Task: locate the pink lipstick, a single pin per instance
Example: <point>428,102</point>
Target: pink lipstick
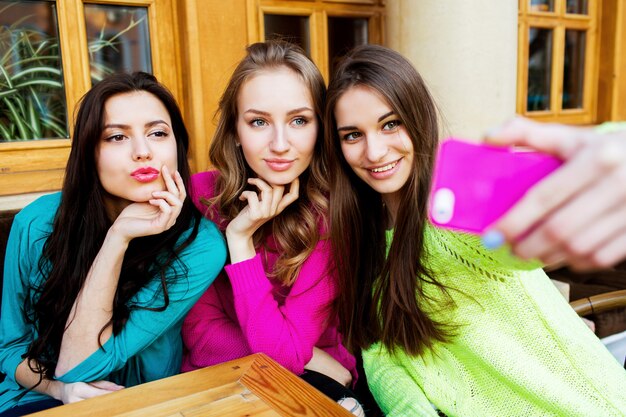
<point>279,165</point>
<point>145,174</point>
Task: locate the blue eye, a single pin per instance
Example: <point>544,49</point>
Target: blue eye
<point>300,121</point>
<point>392,124</point>
<point>258,123</point>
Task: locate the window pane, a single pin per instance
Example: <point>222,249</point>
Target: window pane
<point>32,96</point>
<point>119,39</point>
<point>344,33</point>
<point>577,6</point>
<point>574,69</point>
<point>293,29</point>
<point>541,5</point>
<point>539,69</point>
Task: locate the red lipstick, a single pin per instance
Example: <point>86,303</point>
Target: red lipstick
<point>145,174</point>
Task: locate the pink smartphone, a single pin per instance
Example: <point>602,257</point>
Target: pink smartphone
<point>474,184</point>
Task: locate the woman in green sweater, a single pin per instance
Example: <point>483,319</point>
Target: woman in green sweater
<point>445,325</point>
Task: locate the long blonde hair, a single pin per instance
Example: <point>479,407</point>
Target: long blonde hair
<point>296,230</point>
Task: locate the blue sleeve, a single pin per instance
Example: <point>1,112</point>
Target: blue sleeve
<point>202,260</point>
<point>22,257</point>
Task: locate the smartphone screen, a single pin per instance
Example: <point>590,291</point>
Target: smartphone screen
<point>474,184</point>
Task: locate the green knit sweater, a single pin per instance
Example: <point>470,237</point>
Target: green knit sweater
<point>519,350</point>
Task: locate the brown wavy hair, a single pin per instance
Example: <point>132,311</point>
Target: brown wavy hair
<point>296,230</point>
<point>381,297</point>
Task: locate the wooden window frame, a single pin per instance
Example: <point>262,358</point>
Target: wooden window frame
<point>318,12</point>
<point>559,22</point>
<point>39,165</point>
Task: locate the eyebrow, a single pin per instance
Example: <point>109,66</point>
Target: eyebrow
<point>290,112</point>
<point>123,126</point>
<point>380,119</point>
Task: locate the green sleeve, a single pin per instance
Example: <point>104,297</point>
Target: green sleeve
<point>610,127</point>
<point>396,393</point>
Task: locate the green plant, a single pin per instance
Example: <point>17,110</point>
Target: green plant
<point>32,97</point>
<point>32,102</point>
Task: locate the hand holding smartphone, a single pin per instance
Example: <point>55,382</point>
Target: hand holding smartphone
<point>474,184</point>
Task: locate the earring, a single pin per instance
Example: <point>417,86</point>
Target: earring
<point>237,144</point>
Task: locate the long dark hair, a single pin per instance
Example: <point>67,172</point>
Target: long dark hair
<point>296,229</point>
<point>81,224</point>
<point>381,297</point>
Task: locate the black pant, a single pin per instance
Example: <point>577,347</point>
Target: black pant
<point>328,386</point>
<point>35,406</point>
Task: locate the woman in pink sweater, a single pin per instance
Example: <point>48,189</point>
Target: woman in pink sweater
<point>269,196</point>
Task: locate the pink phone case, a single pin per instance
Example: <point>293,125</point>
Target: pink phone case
<point>474,184</point>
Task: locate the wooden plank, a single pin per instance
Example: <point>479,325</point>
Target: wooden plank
<point>287,393</point>
<point>251,386</point>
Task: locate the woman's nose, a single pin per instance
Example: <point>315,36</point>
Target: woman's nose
<point>280,142</point>
<point>141,149</point>
<point>376,148</point>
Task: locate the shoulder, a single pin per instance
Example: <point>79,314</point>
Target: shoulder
<point>39,215</point>
<point>209,244</point>
<point>202,187</point>
<point>203,184</point>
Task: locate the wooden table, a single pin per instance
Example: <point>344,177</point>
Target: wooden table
<point>254,386</point>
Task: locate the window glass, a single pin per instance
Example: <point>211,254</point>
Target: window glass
<point>541,5</point>
<point>344,33</point>
<point>293,29</point>
<point>119,39</point>
<point>574,69</point>
<point>577,6</point>
<point>539,69</point>
<point>32,95</point>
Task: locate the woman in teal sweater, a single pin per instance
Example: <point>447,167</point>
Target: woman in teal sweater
<point>445,325</point>
<point>99,277</point>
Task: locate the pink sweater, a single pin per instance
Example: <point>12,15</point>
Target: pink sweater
<point>245,311</point>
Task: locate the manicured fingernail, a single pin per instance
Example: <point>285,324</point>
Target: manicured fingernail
<point>493,239</point>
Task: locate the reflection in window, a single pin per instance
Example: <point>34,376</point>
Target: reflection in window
<point>119,39</point>
<point>542,5</point>
<point>577,6</point>
<point>344,33</point>
<point>32,97</point>
<point>539,69</point>
<point>294,29</point>
<point>574,69</point>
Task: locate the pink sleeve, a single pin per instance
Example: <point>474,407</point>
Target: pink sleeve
<point>289,332</point>
<point>209,334</point>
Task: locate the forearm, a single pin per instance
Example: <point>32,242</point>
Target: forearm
<point>325,364</point>
<point>286,332</point>
<point>29,379</point>
<point>93,308</point>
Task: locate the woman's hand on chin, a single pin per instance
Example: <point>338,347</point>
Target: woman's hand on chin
<point>263,205</point>
<point>157,214</point>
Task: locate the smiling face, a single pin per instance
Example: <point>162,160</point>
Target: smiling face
<point>374,142</point>
<point>276,125</point>
<point>137,141</point>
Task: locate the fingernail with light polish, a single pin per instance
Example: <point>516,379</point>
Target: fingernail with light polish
<point>493,239</point>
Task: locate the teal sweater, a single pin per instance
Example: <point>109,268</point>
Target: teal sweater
<point>149,346</point>
<point>519,350</point>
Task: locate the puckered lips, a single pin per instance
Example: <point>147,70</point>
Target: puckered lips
<point>145,174</point>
